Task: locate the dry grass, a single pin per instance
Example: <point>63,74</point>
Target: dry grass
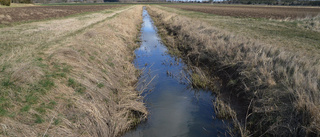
<point>73,80</point>
<point>285,33</point>
<point>282,84</point>
<point>224,111</point>
<point>310,23</point>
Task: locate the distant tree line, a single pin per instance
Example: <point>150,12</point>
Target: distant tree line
<point>57,1</point>
<point>5,2</point>
<point>21,1</point>
<point>274,2</point>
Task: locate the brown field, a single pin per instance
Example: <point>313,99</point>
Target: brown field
<point>274,12</point>
<point>17,14</point>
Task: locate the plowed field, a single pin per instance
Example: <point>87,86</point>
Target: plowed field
<point>274,12</point>
<point>8,15</point>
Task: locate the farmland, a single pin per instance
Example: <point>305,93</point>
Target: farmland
<point>67,69</point>
<point>294,34</point>
<point>9,15</point>
<point>269,12</point>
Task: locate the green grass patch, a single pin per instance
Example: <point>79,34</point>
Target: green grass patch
<point>3,111</point>
<point>100,85</point>
<point>60,70</point>
<point>38,119</point>
<point>41,109</point>
<point>79,88</point>
<point>7,83</point>
<point>57,121</point>
<point>3,105</point>
<point>51,105</point>
<point>109,62</point>
<point>72,83</point>
<point>31,99</point>
<point>26,108</point>
<point>47,83</point>
<point>106,100</point>
<point>4,67</point>
<point>42,87</point>
<point>12,115</point>
<point>92,57</point>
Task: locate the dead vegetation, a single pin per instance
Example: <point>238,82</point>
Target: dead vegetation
<point>73,80</point>
<point>278,88</point>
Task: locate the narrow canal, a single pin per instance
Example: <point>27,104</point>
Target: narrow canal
<point>175,108</point>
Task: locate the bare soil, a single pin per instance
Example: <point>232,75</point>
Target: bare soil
<point>17,14</point>
<point>273,12</point>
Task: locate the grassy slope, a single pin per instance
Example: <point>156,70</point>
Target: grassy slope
<point>279,82</point>
<point>290,34</point>
<point>71,76</point>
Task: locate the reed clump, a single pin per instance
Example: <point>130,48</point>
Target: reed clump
<point>282,85</point>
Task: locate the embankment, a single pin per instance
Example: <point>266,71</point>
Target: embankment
<point>76,83</point>
<point>279,88</point>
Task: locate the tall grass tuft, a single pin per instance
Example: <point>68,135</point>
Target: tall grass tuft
<point>283,85</point>
<point>63,85</point>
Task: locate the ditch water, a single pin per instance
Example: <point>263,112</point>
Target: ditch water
<point>175,108</point>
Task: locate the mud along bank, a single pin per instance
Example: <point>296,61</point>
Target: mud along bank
<point>280,88</point>
<point>76,83</point>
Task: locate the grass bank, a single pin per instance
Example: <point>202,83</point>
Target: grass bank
<point>301,35</point>
<point>278,86</point>
<point>71,77</point>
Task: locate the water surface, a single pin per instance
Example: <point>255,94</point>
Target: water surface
<point>175,108</point>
